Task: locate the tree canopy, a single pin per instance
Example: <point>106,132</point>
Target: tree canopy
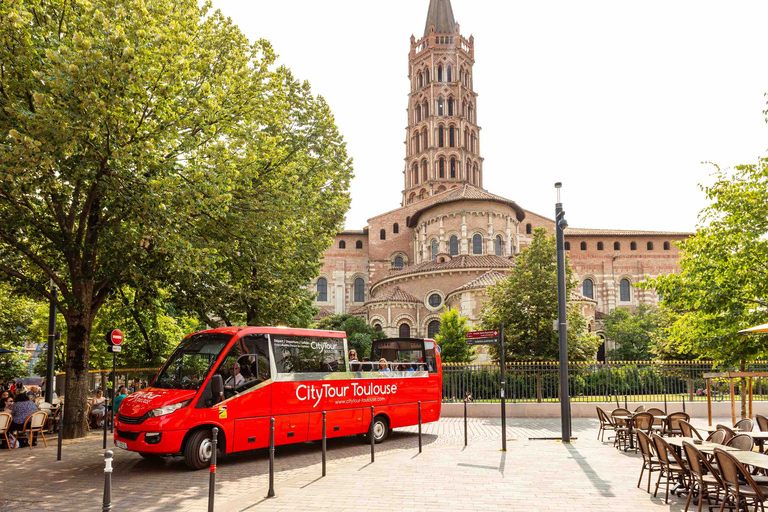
<point>635,332</point>
<point>360,335</point>
<point>452,338</point>
<point>526,301</point>
<point>146,142</point>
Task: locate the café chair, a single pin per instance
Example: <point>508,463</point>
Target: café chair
<point>740,488</point>
<point>745,425</point>
<point>5,425</point>
<point>689,430</point>
<point>34,425</point>
<point>703,476</point>
<point>672,467</point>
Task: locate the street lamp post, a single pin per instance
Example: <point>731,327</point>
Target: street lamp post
<point>50,375</point>
<point>565,406</point>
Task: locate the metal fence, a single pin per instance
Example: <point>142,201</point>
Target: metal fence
<point>635,381</point>
<point>132,378</point>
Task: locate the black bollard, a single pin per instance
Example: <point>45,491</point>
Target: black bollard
<point>373,441</point>
<point>324,447</point>
<point>212,483</point>
<point>61,429</point>
<point>419,427</point>
<point>271,492</point>
<point>465,422</point>
<point>107,505</point>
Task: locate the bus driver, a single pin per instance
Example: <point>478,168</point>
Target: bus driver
<point>236,379</point>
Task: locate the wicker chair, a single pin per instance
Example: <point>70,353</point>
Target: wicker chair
<point>740,487</point>
<point>34,424</point>
<point>650,461</point>
<point>762,422</point>
<point>742,442</point>
<point>672,428</point>
<point>717,437</point>
<point>642,422</point>
<point>640,409</point>
<point>745,425</point>
<point>689,430</point>
<point>658,424</point>
<point>729,434</point>
<point>672,467</point>
<point>5,426</point>
<point>606,423</point>
<point>622,427</point>
<point>703,476</point>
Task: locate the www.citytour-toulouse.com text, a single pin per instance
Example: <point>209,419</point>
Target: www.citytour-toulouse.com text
<point>360,391</point>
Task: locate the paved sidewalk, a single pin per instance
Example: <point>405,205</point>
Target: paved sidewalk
<point>534,475</point>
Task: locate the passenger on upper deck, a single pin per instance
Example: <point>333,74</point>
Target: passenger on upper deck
<point>383,366</point>
<point>354,364</point>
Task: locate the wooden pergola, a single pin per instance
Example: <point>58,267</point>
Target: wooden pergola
<point>731,376</point>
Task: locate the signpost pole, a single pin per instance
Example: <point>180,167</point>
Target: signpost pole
<point>50,377</point>
<point>565,406</point>
<point>503,383</point>
<point>114,371</point>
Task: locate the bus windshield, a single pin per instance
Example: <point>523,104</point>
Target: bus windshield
<point>190,362</point>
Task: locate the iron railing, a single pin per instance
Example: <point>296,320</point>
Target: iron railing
<point>620,381</point>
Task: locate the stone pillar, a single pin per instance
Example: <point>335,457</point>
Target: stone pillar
<point>464,249</point>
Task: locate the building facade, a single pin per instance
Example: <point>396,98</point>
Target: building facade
<point>451,239</point>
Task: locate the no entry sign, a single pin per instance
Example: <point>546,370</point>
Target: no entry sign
<point>115,337</point>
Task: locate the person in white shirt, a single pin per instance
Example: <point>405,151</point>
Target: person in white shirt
<point>236,379</point>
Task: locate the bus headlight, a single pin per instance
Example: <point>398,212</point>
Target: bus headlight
<point>168,409</point>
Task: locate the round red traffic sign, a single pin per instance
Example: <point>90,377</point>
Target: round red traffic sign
<point>115,337</point>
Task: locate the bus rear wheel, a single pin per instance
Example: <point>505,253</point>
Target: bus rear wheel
<point>380,429</point>
<point>198,450</point>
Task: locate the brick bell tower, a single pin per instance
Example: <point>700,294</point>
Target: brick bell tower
<point>443,138</point>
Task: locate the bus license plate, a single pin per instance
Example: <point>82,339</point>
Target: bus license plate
<point>121,444</point>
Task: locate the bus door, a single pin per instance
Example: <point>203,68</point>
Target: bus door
<point>247,375</point>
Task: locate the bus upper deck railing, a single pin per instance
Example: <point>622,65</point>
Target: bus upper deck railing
<point>633,381</point>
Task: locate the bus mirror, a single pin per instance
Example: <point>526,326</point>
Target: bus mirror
<point>217,388</point>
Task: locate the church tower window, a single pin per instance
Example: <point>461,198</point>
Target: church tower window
<point>453,168</point>
<point>477,244</point>
<point>396,228</point>
<point>434,249</point>
<point>450,106</point>
<point>600,246</point>
<point>498,246</point>
<point>439,73</point>
<point>588,289</point>
<point>454,246</point>
<point>359,290</point>
<point>441,136</point>
<point>616,246</point>
<point>450,73</point>
<point>322,290</point>
<point>452,137</point>
<point>440,107</point>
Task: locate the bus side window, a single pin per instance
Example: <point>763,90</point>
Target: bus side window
<point>430,356</point>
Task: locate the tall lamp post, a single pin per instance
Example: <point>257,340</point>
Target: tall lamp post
<point>562,322</point>
<point>50,375</point>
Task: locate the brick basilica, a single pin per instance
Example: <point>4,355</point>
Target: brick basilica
<point>450,238</point>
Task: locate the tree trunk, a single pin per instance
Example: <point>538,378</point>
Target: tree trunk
<point>76,396</point>
<point>743,391</point>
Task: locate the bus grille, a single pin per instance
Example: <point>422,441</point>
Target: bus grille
<point>131,436</point>
<point>131,420</point>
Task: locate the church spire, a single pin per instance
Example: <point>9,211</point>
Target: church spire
<point>441,16</point>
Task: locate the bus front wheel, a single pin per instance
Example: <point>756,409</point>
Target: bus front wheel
<point>198,450</point>
<point>380,429</point>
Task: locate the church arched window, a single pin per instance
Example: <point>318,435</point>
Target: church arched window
<point>342,245</point>
<point>616,246</point>
<point>498,246</point>
<point>404,331</point>
<point>625,291</point>
<point>453,168</point>
<point>427,77</point>
<point>425,139</point>
<point>650,246</point>
<point>424,171</point>
<point>358,245</point>
<point>600,246</point>
<point>454,246</point>
<point>441,136</point>
<point>383,234</point>
<point>588,289</point>
<point>421,79</point>
<point>528,229</point>
<point>450,106</point>
<point>415,174</point>
<point>583,246</point>
<point>416,142</point>
<point>433,248</point>
<point>666,246</point>
<point>633,246</point>
<point>452,137</point>
<point>433,328</point>
<point>395,228</point>
<point>450,73</point>
<point>418,113</point>
<point>322,290</point>
<point>439,73</point>
<point>426,110</point>
<point>440,107</point>
<point>359,290</point>
<point>399,262</point>
<point>477,244</point>
<point>441,168</point>
<point>567,246</point>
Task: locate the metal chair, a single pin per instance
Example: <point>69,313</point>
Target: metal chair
<point>762,422</point>
<point>689,430</point>
<point>672,467</point>
<point>745,425</point>
<point>658,424</point>
<point>641,422</point>
<point>640,409</point>
<point>622,426</point>
<point>739,485</point>
<point>5,426</point>
<point>717,437</point>
<point>703,476</point>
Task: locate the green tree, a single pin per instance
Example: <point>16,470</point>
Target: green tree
<point>633,331</point>
<point>722,286</point>
<point>16,317</point>
<point>526,301</point>
<point>452,338</point>
<point>134,135</point>
<point>14,365</point>
<point>360,335</point>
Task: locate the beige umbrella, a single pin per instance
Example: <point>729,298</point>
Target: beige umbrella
<point>755,330</point>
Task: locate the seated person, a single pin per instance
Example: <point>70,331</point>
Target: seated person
<point>98,408</point>
<point>23,408</point>
<point>383,366</point>
<point>354,364</point>
<point>6,404</point>
<point>367,366</point>
<point>236,379</point>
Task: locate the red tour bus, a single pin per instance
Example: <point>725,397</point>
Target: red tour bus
<point>236,379</point>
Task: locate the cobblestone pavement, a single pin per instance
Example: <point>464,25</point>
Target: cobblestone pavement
<point>533,475</point>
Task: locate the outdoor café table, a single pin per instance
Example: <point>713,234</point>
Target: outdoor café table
<point>705,447</point>
<point>754,459</point>
<point>628,419</point>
